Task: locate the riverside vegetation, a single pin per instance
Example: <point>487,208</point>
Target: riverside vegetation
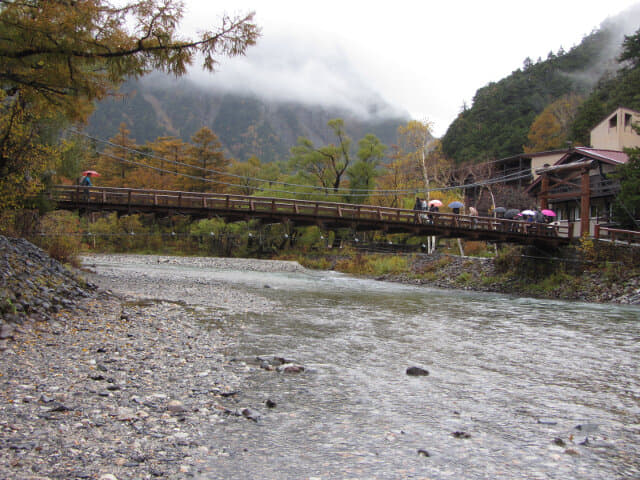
<point>588,271</point>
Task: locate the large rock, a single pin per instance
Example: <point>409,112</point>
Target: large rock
<point>417,371</point>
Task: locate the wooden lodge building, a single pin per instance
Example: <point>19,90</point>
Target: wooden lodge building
<point>576,182</point>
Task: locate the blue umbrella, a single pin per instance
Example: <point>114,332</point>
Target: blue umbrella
<point>456,204</point>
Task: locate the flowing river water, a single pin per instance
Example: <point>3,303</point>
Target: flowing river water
<point>517,387</point>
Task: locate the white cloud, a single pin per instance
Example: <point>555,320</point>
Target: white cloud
<point>426,58</point>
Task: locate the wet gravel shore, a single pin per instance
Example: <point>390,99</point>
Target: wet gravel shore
<point>117,383</point>
<point>110,376</point>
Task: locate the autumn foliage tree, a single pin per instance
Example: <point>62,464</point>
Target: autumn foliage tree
<point>57,57</point>
<point>414,139</point>
<point>550,130</point>
<point>118,159</point>
<point>206,153</point>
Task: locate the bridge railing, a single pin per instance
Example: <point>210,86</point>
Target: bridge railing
<point>617,235</point>
<point>239,204</point>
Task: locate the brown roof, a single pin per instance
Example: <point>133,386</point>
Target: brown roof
<point>612,157</point>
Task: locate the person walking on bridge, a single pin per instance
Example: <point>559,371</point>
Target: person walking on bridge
<point>417,207</point>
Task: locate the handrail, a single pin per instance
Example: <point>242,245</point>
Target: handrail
<point>135,198</point>
<point>616,234</point>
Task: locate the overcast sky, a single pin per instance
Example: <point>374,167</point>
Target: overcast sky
<point>422,57</point>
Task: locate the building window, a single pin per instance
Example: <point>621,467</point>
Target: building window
<point>613,121</point>
<point>627,121</point>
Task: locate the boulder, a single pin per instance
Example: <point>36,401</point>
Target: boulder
<point>417,371</point>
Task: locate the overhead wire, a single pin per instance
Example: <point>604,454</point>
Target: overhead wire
<point>517,175</point>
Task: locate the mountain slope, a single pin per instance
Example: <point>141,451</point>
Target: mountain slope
<point>497,124</point>
<point>246,125</point>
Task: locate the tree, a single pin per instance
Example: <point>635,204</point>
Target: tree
<point>362,174</point>
<point>550,130</point>
<point>611,92</point>
<point>206,153</point>
<point>26,152</point>
<point>246,175</point>
<point>631,51</point>
<point>325,164</point>
<point>414,138</point>
<point>401,174</point>
<point>57,57</point>
<point>115,161</point>
<point>168,153</point>
<point>63,52</point>
<point>626,207</point>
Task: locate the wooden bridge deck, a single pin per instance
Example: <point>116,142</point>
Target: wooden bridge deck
<point>327,215</point>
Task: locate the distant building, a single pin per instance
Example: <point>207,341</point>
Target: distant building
<point>579,188</point>
<point>575,182</point>
<point>616,131</point>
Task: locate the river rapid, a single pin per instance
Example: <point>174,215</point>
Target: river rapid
<point>517,387</point>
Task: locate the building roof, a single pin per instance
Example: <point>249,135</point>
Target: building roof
<point>580,156</point>
<point>624,109</point>
<point>613,157</point>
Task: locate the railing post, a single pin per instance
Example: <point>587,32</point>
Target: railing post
<point>596,231</point>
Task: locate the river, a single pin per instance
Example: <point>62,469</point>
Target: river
<point>517,387</point>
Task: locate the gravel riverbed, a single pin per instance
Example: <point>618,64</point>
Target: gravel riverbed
<point>122,376</point>
<point>118,382</point>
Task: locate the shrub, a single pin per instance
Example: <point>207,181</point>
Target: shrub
<point>385,264</point>
<point>464,278</point>
<point>508,259</point>
<point>60,236</point>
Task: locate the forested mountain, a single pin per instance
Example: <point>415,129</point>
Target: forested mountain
<point>499,120</point>
<point>246,126</point>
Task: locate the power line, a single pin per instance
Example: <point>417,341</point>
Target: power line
<point>518,175</point>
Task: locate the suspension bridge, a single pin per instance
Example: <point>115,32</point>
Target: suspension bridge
<point>326,215</point>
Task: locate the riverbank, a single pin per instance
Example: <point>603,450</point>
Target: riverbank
<point>607,277</point>
<point>605,285</point>
<point>106,381</point>
<point>134,376</point>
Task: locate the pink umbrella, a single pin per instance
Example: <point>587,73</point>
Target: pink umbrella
<point>437,203</point>
<point>548,213</point>
<point>90,173</point>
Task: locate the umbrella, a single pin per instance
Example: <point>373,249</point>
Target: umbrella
<point>548,213</point>
<point>90,173</point>
<point>499,210</point>
<point>528,212</point>
<point>437,203</point>
<point>511,213</point>
<point>456,204</point>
